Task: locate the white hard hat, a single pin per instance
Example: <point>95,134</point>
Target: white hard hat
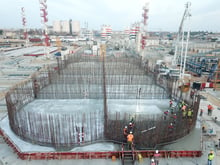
<point>126,127</point>
<point>156,151</point>
<point>130,132</point>
<point>152,160</point>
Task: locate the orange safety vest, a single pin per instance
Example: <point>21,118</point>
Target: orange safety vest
<point>130,138</point>
<point>210,107</point>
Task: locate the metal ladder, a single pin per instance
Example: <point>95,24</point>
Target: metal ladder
<point>128,156</point>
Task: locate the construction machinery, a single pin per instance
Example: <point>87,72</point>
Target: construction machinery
<point>182,42</point>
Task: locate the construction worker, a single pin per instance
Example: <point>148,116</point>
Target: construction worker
<point>36,88</point>
<point>181,104</point>
<point>130,139</point>
<point>192,94</point>
<point>189,113</point>
<point>171,103</point>
<point>152,162</point>
<point>183,107</point>
<point>139,93</point>
<point>204,129</point>
<point>164,116</point>
<point>125,132</point>
<point>210,157</point>
<point>215,119</point>
<point>201,112</point>
<point>166,112</point>
<point>131,127</point>
<point>174,116</point>
<point>171,127</point>
<point>172,109</point>
<point>156,157</point>
<point>210,108</point>
<point>184,114</point>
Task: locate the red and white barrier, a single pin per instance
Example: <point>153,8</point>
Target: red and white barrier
<point>207,85</point>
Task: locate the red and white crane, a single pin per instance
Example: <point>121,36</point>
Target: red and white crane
<point>43,14</point>
<point>24,21</point>
<point>144,26</point>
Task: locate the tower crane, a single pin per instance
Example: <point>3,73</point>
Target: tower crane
<point>24,21</point>
<point>181,58</point>
<point>144,28</point>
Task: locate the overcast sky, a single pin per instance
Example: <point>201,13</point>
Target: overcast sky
<point>164,15</point>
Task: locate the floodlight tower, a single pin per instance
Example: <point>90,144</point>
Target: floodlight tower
<point>43,14</point>
<point>24,21</point>
<point>144,27</point>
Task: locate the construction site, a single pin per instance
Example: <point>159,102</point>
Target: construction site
<point>84,100</point>
<point>80,104</point>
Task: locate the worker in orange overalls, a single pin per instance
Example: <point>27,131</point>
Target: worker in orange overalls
<point>130,139</point>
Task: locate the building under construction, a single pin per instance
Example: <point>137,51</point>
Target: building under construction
<point>86,99</point>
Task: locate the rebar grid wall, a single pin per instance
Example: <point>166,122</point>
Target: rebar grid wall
<point>147,138</point>
<point>125,79</point>
<point>81,77</point>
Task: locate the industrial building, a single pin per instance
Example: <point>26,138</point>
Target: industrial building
<point>66,27</point>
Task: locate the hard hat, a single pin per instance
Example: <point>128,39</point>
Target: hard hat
<point>130,132</point>
<point>126,127</point>
<point>156,151</point>
<point>152,160</point>
<point>130,123</point>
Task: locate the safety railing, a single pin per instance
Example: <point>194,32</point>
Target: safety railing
<point>93,155</point>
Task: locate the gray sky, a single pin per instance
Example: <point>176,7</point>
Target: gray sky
<point>164,15</point>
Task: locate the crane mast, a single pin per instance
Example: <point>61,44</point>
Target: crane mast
<point>144,27</point>
<point>44,14</point>
<point>180,56</point>
<point>24,21</point>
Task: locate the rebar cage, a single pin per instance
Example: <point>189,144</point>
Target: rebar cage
<point>82,78</point>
